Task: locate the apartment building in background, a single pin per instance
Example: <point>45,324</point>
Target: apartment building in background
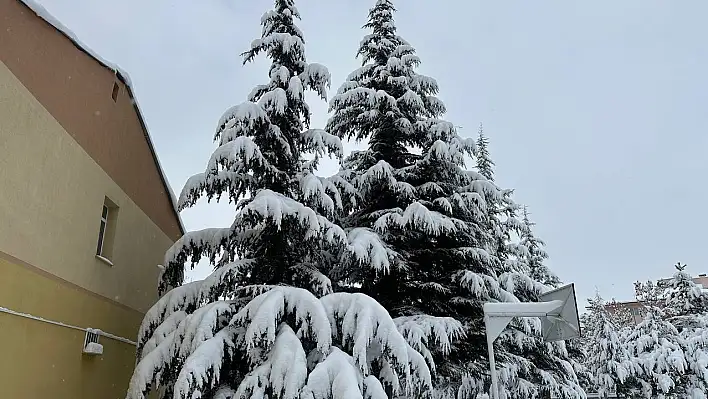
<point>637,309</point>
<point>86,214</point>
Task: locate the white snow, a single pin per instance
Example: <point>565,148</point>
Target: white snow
<point>334,378</point>
<point>321,142</point>
<point>210,240</point>
<point>296,88</point>
<point>423,332</point>
<point>317,77</point>
<point>225,392</point>
<point>316,191</point>
<point>284,370</point>
<point>368,248</point>
<point>168,325</point>
<point>417,216</point>
<point>247,116</point>
<point>413,100</point>
<point>262,316</point>
<point>239,155</point>
<point>365,323</point>
<point>276,207</point>
<point>203,365</point>
<point>173,301</point>
<point>275,101</point>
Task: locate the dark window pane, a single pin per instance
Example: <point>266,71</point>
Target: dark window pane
<point>114,92</point>
<point>101,232</point>
<point>105,212</point>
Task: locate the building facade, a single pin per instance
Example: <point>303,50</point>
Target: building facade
<point>86,214</point>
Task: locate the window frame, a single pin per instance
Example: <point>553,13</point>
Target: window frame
<point>102,230</point>
<point>105,244</point>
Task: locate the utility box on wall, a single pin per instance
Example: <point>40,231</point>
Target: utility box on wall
<point>91,345</point>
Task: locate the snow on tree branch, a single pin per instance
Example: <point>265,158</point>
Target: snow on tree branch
<point>316,77</point>
<point>363,325</point>
<point>276,207</point>
<point>320,142</point>
<point>367,248</point>
<point>479,285</point>
<point>337,377</point>
<point>263,314</point>
<point>283,372</point>
<point>417,216</point>
<point>423,332</point>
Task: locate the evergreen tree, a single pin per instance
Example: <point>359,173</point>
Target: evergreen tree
<point>686,308</point>
<point>607,357</point>
<point>621,315</point>
<point>670,347</point>
<point>577,351</point>
<point>422,205</point>
<point>435,218</point>
<point>685,302</point>
<point>265,323</point>
<point>485,165</point>
<point>536,255</point>
<point>502,222</point>
<point>388,103</point>
<point>658,357</point>
<point>648,293</point>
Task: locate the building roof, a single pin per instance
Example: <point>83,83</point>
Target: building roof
<point>123,76</point>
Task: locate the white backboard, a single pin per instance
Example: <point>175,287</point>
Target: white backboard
<point>566,325</point>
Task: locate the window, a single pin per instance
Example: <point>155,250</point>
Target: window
<point>114,93</point>
<point>102,231</point>
<point>107,230</point>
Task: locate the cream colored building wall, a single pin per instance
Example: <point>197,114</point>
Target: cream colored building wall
<point>41,360</point>
<point>51,197</point>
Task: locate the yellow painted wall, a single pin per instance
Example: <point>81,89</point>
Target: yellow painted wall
<point>51,196</point>
<point>40,360</point>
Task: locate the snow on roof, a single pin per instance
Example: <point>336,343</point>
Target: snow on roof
<point>124,77</point>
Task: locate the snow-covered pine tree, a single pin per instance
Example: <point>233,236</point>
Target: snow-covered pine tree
<point>265,323</point>
<point>606,356</point>
<point>648,293</point>
<point>536,255</point>
<point>388,103</point>
<point>400,194</point>
<point>685,305</point>
<point>658,356</point>
<point>685,302</point>
<point>433,214</point>
<point>485,165</point>
<point>578,354</point>
<point>621,315</point>
<point>502,222</point>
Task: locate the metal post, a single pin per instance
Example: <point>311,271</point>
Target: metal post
<point>492,365</point>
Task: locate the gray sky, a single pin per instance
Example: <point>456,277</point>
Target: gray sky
<point>593,108</point>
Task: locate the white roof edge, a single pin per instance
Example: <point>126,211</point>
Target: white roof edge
<point>123,76</point>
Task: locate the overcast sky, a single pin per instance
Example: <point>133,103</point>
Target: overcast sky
<point>596,110</point>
